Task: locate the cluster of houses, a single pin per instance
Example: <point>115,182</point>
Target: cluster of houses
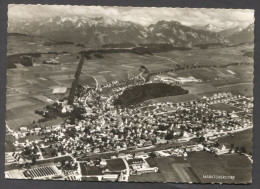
<point>176,80</point>
<point>123,129</point>
<point>117,85</point>
<point>100,128</point>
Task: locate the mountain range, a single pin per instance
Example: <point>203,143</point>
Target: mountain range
<point>230,31</point>
<point>104,30</point>
<point>245,35</point>
<point>207,27</point>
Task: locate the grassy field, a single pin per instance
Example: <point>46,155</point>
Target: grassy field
<point>115,164</point>
<point>240,139</point>
<point>205,163</point>
<point>23,44</point>
<point>171,169</point>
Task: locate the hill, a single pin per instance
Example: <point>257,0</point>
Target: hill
<point>137,94</point>
<point>176,33</point>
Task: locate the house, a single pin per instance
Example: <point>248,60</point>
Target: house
<point>23,129</point>
<point>148,143</point>
<point>110,177</point>
<point>59,90</point>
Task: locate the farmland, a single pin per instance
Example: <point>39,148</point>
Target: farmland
<point>240,139</point>
<point>28,88</point>
<point>204,163</point>
<point>171,169</point>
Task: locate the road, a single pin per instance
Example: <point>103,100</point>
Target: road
<point>169,59</point>
<point>126,176</point>
<point>97,84</point>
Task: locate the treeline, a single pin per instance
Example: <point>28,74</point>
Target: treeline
<point>207,45</point>
<point>80,45</point>
<point>142,49</point>
<point>55,52</point>
<point>18,34</point>
<point>119,45</point>
<point>244,43</point>
<point>17,58</point>
<point>162,47</point>
<point>249,54</point>
<point>140,93</point>
<point>53,43</point>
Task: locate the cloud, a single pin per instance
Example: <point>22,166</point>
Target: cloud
<point>221,18</point>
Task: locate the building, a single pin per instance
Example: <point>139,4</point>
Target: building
<point>52,61</point>
<point>42,173</point>
<point>59,90</point>
<point>110,177</point>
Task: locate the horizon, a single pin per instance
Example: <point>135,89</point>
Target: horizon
<point>221,19</point>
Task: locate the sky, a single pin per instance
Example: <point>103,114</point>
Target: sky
<point>220,18</point>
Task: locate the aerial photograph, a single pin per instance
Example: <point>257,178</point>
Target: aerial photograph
<point>129,94</point>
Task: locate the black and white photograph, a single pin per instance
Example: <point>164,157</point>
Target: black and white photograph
<point>129,94</point>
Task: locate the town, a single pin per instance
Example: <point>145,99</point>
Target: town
<point>126,137</point>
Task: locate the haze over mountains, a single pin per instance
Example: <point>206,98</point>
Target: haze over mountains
<point>207,27</point>
<point>230,31</point>
<point>103,30</point>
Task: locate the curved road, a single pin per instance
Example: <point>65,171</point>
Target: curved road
<point>93,78</point>
<point>127,170</point>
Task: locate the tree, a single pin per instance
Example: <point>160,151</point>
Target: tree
<point>217,144</point>
<point>152,155</point>
<point>169,136</point>
<point>201,139</point>
<point>33,159</point>
<point>243,150</point>
<point>54,153</point>
<point>27,151</point>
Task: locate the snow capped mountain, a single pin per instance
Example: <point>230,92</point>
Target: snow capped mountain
<point>245,35</point>
<point>103,30</point>
<point>208,27</point>
<point>230,31</point>
<point>175,32</point>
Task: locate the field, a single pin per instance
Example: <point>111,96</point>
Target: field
<point>28,88</point>
<point>115,164</point>
<point>25,44</point>
<point>171,169</point>
<point>205,163</point>
<point>240,139</point>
